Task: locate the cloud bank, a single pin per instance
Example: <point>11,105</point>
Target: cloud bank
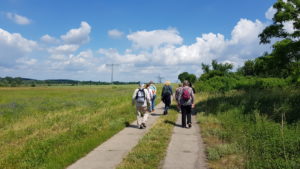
<point>152,52</point>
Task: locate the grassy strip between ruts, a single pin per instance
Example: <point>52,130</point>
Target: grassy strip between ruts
<point>152,148</point>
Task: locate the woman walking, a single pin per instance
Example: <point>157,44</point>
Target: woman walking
<point>166,96</point>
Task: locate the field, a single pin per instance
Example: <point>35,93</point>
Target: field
<point>51,127</point>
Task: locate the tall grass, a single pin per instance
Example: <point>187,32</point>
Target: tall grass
<point>261,128</point>
<point>51,127</point>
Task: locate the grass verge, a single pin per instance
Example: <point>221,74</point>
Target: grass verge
<point>235,139</point>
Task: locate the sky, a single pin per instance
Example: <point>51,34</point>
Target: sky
<point>77,39</point>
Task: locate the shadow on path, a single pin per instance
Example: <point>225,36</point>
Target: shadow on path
<point>173,123</point>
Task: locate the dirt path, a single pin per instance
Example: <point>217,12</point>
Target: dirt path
<point>186,149</point>
<point>109,154</point>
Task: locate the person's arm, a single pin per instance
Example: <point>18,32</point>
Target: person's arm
<point>179,96</point>
<point>147,97</point>
<point>133,96</point>
<point>193,99</point>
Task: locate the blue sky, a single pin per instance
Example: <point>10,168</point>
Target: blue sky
<point>74,39</point>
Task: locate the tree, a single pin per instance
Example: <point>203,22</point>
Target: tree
<point>248,68</point>
<point>183,76</point>
<point>186,76</point>
<point>286,52</point>
<point>286,12</point>
<point>205,68</point>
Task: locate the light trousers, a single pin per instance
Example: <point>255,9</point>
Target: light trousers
<point>141,115</point>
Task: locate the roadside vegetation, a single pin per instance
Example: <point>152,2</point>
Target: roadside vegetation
<point>250,118</point>
<point>51,127</point>
<point>152,148</point>
<point>250,129</point>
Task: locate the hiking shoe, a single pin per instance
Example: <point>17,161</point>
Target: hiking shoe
<point>190,125</point>
<point>144,125</point>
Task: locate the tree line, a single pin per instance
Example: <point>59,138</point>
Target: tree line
<point>18,81</point>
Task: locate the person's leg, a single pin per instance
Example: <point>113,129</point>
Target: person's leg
<point>153,102</point>
<point>168,103</point>
<point>139,116</point>
<point>189,115</point>
<point>183,116</point>
<point>145,115</point>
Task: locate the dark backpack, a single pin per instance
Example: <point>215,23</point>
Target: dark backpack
<point>185,94</point>
<point>167,91</point>
<point>140,96</point>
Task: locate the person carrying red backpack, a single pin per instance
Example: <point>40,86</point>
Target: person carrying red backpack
<point>186,102</point>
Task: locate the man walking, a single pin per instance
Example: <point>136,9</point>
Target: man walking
<point>141,99</point>
<point>186,101</point>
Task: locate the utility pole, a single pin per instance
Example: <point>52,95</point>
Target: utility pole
<point>112,71</point>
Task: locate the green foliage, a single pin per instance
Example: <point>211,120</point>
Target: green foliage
<point>186,76</point>
<point>233,81</point>
<point>248,121</point>
<point>216,83</point>
<point>285,11</point>
<point>284,59</point>
<point>269,102</point>
<point>218,69</point>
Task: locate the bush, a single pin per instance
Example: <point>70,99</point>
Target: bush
<point>233,81</point>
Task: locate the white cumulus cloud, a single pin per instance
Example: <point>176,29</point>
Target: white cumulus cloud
<point>113,54</point>
<point>270,13</point>
<point>155,38</point>
<point>49,39</point>
<point>18,19</point>
<point>167,49</point>
<point>62,51</point>
<point>14,46</point>
<point>114,33</point>
<point>79,35</point>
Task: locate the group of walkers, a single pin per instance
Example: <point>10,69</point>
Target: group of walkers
<point>144,99</point>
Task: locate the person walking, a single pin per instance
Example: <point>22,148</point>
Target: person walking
<point>166,96</point>
<point>141,99</point>
<point>153,88</point>
<point>177,91</point>
<point>150,95</point>
<point>186,101</point>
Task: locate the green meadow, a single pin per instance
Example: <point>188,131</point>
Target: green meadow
<point>51,127</point>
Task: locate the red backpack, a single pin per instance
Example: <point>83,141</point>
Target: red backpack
<point>185,94</point>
